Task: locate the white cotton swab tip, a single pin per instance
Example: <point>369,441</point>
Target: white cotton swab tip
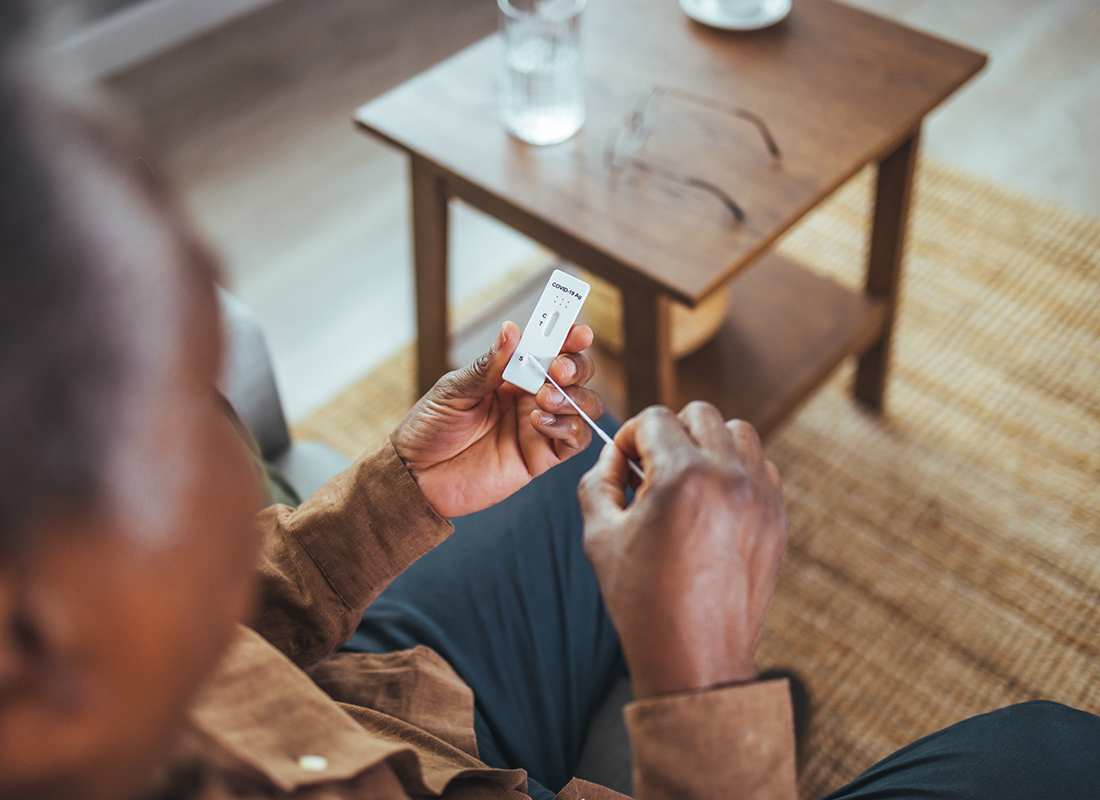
<point>599,431</point>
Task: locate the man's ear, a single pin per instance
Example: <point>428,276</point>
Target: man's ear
<point>13,660</point>
<point>37,690</point>
<point>32,621</point>
<point>20,681</point>
<point>24,632</point>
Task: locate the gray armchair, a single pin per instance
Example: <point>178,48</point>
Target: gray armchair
<point>248,382</point>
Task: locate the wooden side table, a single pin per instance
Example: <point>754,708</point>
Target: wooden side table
<point>837,87</point>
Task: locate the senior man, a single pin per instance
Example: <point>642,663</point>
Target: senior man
<point>131,550</point>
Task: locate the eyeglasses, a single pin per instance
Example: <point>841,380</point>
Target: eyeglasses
<point>623,142</point>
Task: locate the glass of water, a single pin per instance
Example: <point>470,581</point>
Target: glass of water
<point>542,99</point>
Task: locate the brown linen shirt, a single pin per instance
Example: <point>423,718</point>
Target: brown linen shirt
<point>285,717</point>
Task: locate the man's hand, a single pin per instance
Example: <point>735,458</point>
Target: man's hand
<point>473,439</point>
<point>688,569</point>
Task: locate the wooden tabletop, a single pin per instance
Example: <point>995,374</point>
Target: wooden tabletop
<point>838,88</point>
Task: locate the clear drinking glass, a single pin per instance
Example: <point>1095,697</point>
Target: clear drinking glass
<point>542,99</point>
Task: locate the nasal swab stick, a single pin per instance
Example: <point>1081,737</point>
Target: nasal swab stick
<point>599,431</point>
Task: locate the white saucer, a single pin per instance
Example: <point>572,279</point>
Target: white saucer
<point>727,15</point>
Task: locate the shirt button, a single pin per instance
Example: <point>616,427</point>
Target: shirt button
<point>313,763</point>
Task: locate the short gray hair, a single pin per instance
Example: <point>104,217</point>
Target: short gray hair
<point>75,290</point>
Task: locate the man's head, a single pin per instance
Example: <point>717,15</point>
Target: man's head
<point>126,547</point>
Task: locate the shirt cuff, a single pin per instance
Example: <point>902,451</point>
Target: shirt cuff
<point>736,741</point>
<point>367,525</point>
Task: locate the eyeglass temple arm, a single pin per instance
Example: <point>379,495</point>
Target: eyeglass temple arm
<point>675,177</point>
<point>727,201</point>
<point>736,111</point>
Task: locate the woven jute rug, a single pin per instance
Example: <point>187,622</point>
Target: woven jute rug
<point>944,558</point>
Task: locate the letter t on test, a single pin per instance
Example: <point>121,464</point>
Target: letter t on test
<point>545,333</point>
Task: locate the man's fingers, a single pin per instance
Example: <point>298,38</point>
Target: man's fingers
<point>707,426</point>
<point>773,475</point>
<point>580,337</point>
<point>570,432</point>
<point>552,401</point>
<point>485,375</point>
<point>747,442</point>
<point>655,436</point>
<point>572,369</point>
<point>602,490</point>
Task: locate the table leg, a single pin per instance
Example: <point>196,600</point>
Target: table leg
<point>893,193</point>
<point>647,358</point>
<point>430,221</point>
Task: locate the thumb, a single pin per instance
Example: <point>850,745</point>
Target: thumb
<point>602,490</point>
<point>486,375</point>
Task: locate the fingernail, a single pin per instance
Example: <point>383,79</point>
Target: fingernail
<point>568,368</point>
<point>499,343</point>
<point>554,397</point>
<point>547,419</point>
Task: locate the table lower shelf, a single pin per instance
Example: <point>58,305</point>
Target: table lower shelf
<point>787,330</point>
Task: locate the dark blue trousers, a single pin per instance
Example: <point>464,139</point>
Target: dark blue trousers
<point>512,604</point>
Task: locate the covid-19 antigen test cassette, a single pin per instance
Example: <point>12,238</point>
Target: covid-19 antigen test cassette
<point>545,333</point>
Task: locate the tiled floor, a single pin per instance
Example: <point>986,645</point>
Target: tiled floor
<point>312,218</point>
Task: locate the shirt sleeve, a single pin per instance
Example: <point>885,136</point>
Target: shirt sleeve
<point>735,742</point>
<point>322,564</point>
